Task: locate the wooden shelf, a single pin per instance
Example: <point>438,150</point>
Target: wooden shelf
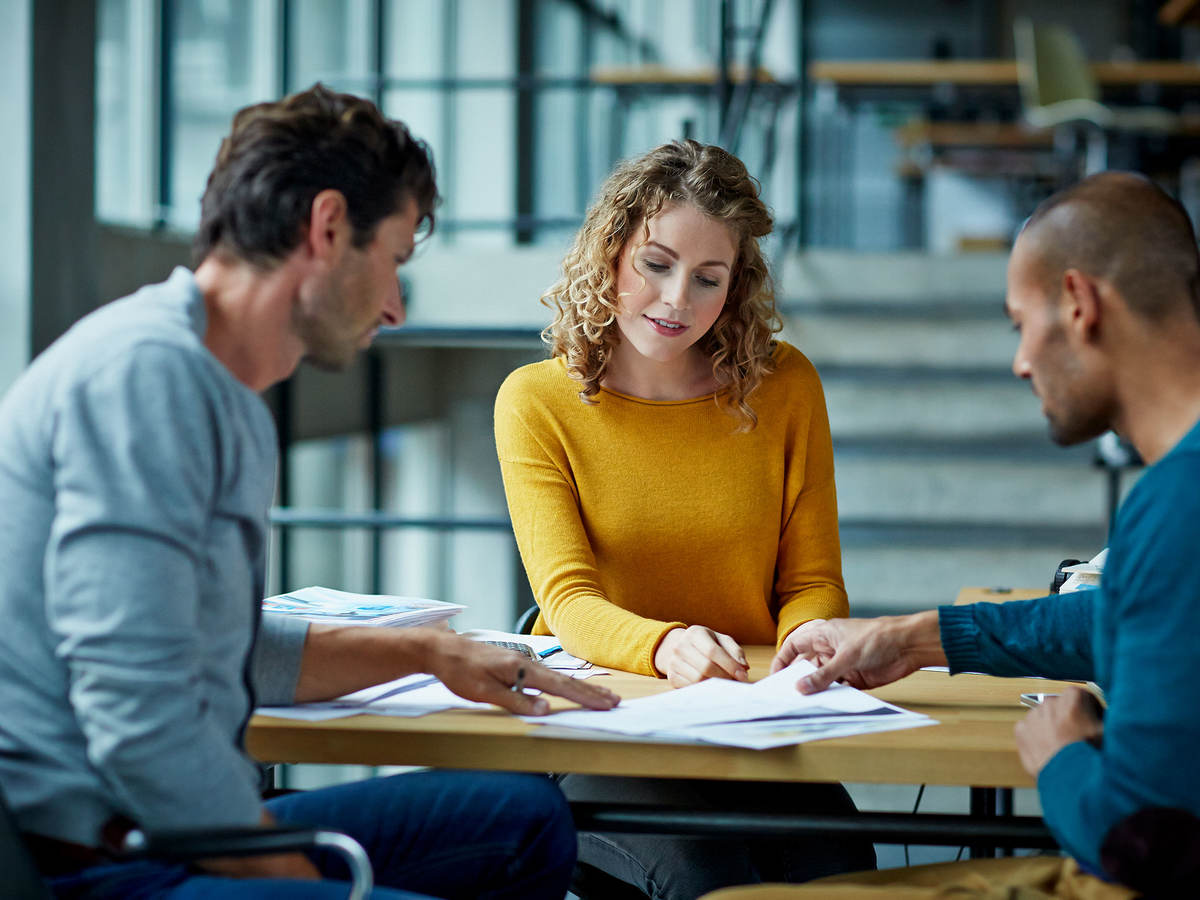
<point>994,72</point>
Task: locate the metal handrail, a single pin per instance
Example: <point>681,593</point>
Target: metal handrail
<point>293,517</point>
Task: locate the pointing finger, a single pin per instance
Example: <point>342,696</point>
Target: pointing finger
<point>590,695</point>
<point>822,678</point>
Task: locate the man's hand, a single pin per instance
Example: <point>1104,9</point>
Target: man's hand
<point>275,865</point>
<point>688,655</point>
<point>1074,715</point>
<point>863,653</point>
<point>485,673</point>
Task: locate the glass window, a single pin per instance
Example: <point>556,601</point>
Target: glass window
<point>332,41</point>
<point>223,56</point>
<point>416,59</point>
<point>416,36</point>
<point>445,67</point>
<point>126,112</point>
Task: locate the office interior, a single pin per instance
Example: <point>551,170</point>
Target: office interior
<point>894,143</point>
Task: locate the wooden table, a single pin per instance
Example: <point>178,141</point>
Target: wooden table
<point>997,594</point>
<point>972,745</point>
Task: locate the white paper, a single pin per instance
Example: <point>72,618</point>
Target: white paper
<point>725,711</point>
<point>763,735</point>
<point>322,604</point>
<point>307,712</point>
<point>1085,575</point>
<point>539,642</point>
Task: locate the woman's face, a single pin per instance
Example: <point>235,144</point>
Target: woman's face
<point>672,287</point>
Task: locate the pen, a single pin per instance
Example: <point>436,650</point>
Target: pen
<point>519,684</point>
<point>549,651</point>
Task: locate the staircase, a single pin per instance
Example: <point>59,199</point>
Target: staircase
<point>946,476</point>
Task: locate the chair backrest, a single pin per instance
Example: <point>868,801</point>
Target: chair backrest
<point>1051,67</point>
<point>1156,851</point>
<point>524,623</point>
<point>20,876</point>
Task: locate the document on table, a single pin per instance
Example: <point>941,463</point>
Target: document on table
<point>410,696</point>
<point>322,604</point>
<point>540,644</point>
<point>421,694</point>
<point>767,713</point>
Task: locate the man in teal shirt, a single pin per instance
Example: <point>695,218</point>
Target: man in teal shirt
<point>1104,289</point>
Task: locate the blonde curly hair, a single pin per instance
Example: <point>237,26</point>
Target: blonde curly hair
<point>585,299</point>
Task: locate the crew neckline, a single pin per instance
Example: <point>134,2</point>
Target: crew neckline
<point>686,402</point>
<point>702,398</point>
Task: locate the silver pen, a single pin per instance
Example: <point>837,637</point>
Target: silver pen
<point>519,684</point>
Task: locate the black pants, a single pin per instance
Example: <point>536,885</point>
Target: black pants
<point>667,867</point>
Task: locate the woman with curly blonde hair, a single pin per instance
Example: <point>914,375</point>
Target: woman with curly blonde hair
<point>669,473</point>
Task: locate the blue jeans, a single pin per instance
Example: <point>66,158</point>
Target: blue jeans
<point>429,834</point>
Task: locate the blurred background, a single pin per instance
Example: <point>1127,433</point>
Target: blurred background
<point>900,147</point>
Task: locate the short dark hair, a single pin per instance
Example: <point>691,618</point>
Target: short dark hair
<point>1123,227</point>
<point>280,155</point>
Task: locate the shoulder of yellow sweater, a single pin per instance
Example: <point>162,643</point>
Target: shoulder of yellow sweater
<point>792,371</point>
<point>536,385</point>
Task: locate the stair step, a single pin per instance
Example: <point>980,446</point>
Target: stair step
<point>883,579</point>
<point>902,341</point>
<point>874,532</point>
<point>1058,493</point>
<point>902,278</point>
<point>904,402</point>
<point>987,307</point>
<point>1015,446</point>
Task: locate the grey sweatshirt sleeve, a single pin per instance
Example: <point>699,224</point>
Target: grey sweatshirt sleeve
<point>136,458</point>
<point>276,662</point>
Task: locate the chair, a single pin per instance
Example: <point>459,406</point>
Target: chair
<point>1155,851</point>
<point>525,620</point>
<point>22,879</point>
<point>21,876</point>
<point>1058,90</point>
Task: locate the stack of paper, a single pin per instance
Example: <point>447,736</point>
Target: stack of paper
<point>767,713</point>
<point>322,604</point>
<point>410,696</point>
<point>546,646</point>
<point>1085,575</point>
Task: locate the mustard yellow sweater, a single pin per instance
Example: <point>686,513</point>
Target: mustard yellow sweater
<point>635,516</point>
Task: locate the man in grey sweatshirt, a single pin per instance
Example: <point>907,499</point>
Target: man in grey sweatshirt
<point>136,471</point>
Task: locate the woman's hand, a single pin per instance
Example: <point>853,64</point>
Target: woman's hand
<point>688,655</point>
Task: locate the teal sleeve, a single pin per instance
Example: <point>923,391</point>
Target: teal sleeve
<point>1050,636</point>
<point>1149,620</point>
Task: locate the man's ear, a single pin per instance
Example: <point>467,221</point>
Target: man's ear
<point>1080,303</point>
<point>328,226</point>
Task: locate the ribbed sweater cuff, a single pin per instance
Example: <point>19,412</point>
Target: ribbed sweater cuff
<point>960,638</point>
<point>826,604</point>
<point>652,648</point>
